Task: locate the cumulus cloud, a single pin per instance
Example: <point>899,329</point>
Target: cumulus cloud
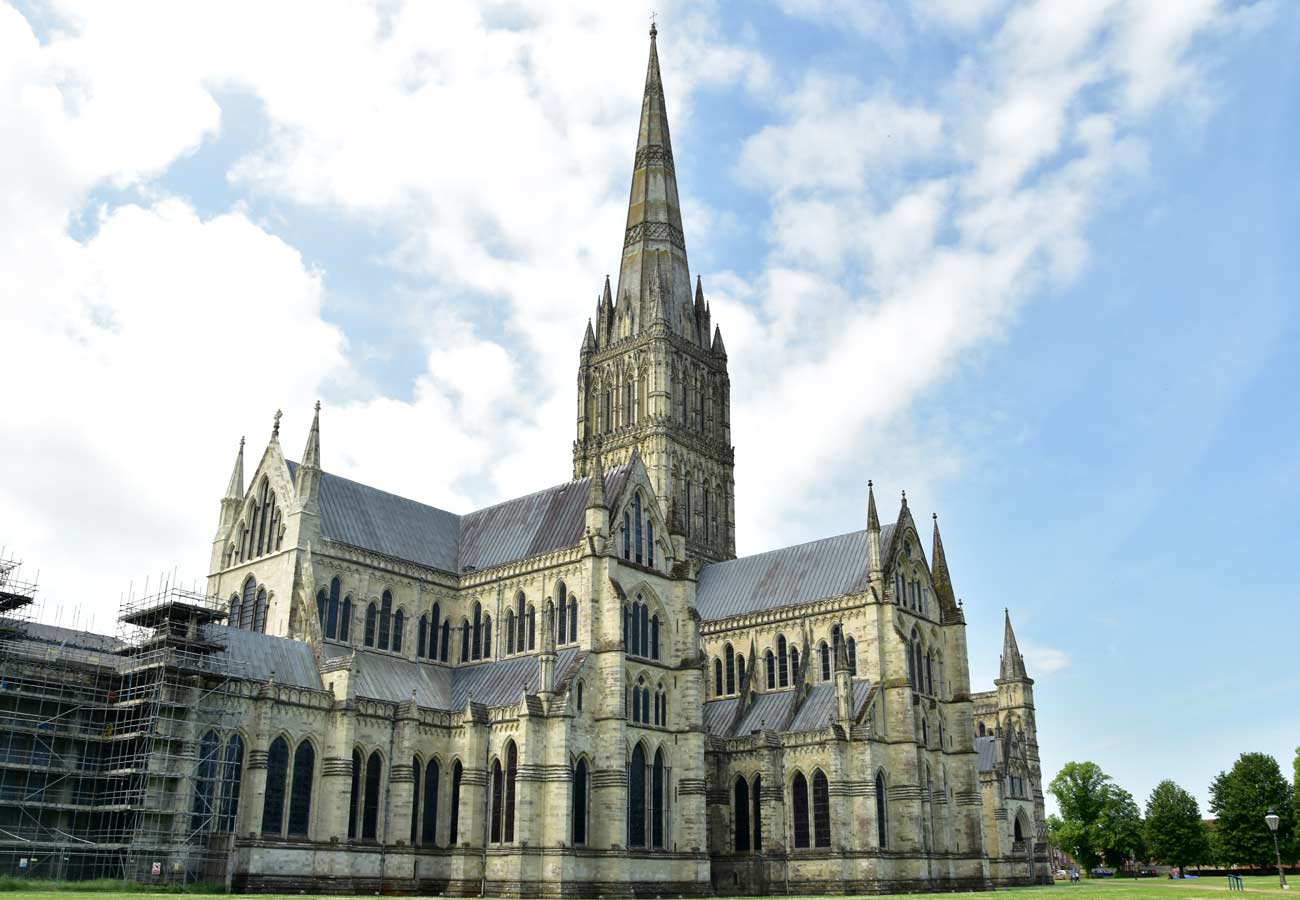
<point>905,235</point>
<point>489,144</point>
<point>1041,660</point>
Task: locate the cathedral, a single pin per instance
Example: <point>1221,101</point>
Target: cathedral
<point>583,691</point>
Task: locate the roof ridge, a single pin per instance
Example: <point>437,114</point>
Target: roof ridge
<point>822,540</point>
<point>545,490</point>
<point>371,487</point>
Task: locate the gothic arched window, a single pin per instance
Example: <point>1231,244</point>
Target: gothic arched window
<point>782,661</point>
<point>654,637</point>
<point>758,813</point>
<point>794,661</point>
<point>532,628</point>
<point>370,806</point>
<point>636,514</point>
<point>821,810</point>
<point>332,611</point>
<point>277,775</point>
<point>259,619</point>
<point>385,619</point>
<point>416,772</point>
<point>446,639</point>
<point>497,788</point>
<point>799,810</point>
<point>825,652</point>
<point>487,637</point>
<point>203,811</point>
<point>429,828</point>
<point>512,771</point>
<point>457,773</point>
<point>717,677</point>
<point>464,640</point>
<point>573,619</point>
<point>345,619</point>
<point>636,791</point>
<point>304,767</point>
<point>510,631</point>
<point>354,798</point>
<point>420,641</point>
<point>658,800</point>
<point>740,671</point>
<point>770,660</point>
<point>627,535</point>
<point>851,650</point>
<point>730,669</point>
<point>399,626</point>
<point>477,647</point>
<point>882,825</point>
<point>579,817</point>
<point>563,624</point>
<point>372,615</point>
<point>740,816</point>
<point>232,779</point>
<point>248,605</point>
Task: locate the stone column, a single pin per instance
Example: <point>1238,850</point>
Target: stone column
<point>401,794</point>
<point>336,774</point>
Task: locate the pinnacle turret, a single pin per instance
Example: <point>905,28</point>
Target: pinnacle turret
<point>719,349</point>
<point>311,453</point>
<point>939,575</point>
<point>235,489</point>
<point>873,519</point>
<point>589,339</point>
<point>1013,664</point>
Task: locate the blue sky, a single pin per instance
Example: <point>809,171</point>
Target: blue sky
<point>1033,262</point>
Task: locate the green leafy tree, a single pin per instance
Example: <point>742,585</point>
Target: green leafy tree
<point>1119,827</point>
<point>1080,789</point>
<point>1240,798</point>
<point>1174,831</point>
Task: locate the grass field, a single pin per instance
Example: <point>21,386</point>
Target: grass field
<point>1100,889</point>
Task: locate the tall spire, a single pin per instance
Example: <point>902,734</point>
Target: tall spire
<point>235,489</point>
<point>654,217</point>
<point>1013,664</point>
<point>873,518</point>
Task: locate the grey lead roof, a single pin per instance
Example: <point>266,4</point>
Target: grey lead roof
<point>383,676</point>
<point>366,517</point>
<point>255,656</point>
<point>987,748</point>
<point>773,710</point>
<point>786,577</point>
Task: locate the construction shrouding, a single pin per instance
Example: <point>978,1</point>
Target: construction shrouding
<point>110,765</point>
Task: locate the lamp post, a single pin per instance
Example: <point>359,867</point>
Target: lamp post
<point>1273,820</point>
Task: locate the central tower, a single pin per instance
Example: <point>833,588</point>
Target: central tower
<point>651,376</point>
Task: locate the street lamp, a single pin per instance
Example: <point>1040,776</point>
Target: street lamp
<point>1273,820</point>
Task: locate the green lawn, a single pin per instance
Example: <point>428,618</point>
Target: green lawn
<point>1100,889</point>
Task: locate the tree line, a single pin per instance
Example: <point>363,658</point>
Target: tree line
<point>1100,822</point>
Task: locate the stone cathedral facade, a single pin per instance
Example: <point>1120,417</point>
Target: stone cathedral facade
<point>582,691</point>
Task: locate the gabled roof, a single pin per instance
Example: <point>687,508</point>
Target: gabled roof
<point>786,577</point>
<point>366,517</point>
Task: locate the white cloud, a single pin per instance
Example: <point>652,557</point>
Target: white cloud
<point>881,281</point>
<point>492,143</point>
<point>1041,660</point>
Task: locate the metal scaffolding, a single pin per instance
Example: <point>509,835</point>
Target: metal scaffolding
<point>111,761</point>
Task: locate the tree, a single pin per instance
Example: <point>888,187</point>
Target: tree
<point>1080,789</point>
<point>1174,831</point>
<point>1240,799</point>
<point>1119,827</point>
